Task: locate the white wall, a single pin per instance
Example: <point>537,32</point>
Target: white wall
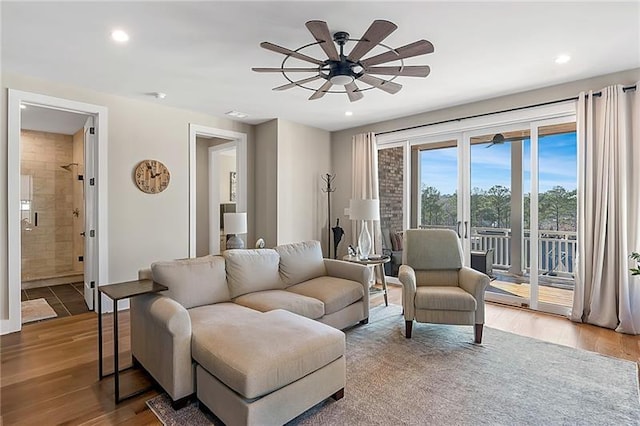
<point>341,141</point>
<point>142,227</point>
<point>304,156</point>
<point>227,165</point>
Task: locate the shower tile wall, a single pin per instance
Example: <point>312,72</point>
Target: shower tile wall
<point>47,249</point>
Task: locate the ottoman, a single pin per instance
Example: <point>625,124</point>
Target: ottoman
<point>267,369</point>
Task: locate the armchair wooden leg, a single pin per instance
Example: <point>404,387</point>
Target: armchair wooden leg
<point>408,325</point>
<point>478,333</point>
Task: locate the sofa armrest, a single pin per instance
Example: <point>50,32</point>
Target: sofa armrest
<point>474,283</point>
<point>161,342</point>
<point>350,271</point>
<point>407,277</point>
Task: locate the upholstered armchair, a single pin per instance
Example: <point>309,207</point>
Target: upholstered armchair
<point>436,287</point>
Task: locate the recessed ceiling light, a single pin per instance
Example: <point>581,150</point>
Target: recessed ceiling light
<point>23,106</point>
<point>120,36</point>
<point>348,113</point>
<point>160,95</point>
<point>562,59</point>
<point>237,114</point>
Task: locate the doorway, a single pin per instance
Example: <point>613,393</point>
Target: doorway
<point>53,201</point>
<point>52,212</point>
<point>217,185</point>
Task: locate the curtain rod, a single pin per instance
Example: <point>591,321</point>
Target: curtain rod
<point>557,101</point>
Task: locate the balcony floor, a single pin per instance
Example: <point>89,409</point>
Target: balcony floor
<point>546,293</point>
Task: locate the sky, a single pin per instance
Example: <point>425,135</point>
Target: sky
<point>492,166</point>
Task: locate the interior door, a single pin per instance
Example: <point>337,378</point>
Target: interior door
<point>90,198</point>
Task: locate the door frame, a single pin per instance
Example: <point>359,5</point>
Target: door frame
<point>240,141</point>
<point>16,98</point>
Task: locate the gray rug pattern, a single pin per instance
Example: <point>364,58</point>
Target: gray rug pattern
<point>440,377</point>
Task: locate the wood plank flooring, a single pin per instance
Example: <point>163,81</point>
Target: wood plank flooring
<point>556,296</point>
<point>49,370</point>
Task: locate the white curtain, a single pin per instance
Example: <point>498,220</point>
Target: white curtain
<point>364,183</point>
<point>606,294</point>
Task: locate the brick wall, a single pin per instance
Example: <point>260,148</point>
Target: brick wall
<point>391,181</point>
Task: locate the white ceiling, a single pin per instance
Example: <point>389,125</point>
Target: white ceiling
<point>201,53</point>
<point>51,120</point>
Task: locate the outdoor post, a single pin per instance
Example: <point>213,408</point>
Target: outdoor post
<point>517,201</point>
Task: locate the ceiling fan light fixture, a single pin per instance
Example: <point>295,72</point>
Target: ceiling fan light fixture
<point>341,79</point>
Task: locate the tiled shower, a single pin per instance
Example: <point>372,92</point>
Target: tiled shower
<point>52,208</point>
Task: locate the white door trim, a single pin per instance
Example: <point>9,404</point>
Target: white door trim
<point>240,141</point>
<point>15,99</point>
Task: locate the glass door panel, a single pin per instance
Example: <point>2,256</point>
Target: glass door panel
<point>557,211</point>
<point>497,212</point>
<point>437,194</point>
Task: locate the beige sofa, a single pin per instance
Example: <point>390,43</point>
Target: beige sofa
<point>212,330</point>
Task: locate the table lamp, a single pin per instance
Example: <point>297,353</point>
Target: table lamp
<point>234,224</point>
<point>364,210</point>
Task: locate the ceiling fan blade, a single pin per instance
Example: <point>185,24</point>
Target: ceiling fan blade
<point>353,92</point>
<point>286,69</point>
<point>296,83</point>
<point>279,49</point>
<point>378,31</point>
<point>387,86</point>
<point>320,32</point>
<point>417,48</point>
<point>409,71</point>
<point>322,90</point>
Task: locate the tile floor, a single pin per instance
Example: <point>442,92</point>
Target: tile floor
<point>66,299</point>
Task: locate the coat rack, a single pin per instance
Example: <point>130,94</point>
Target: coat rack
<point>328,180</point>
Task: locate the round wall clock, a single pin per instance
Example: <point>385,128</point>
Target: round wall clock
<point>151,176</point>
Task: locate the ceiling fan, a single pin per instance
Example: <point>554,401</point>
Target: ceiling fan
<point>340,69</point>
<point>499,139</point>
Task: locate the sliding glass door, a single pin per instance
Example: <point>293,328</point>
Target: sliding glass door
<point>509,192</point>
<point>521,202</point>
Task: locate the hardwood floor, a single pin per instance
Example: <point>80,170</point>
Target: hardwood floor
<point>49,370</point>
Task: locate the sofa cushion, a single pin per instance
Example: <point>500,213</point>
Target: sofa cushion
<point>252,270</point>
<point>444,298</point>
<point>257,355</point>
<point>220,313</point>
<point>269,300</point>
<point>300,262</point>
<point>335,293</point>
<point>193,282</point>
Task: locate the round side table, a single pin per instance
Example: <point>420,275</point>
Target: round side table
<point>377,262</point>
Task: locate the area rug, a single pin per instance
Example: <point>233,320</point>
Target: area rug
<point>440,377</point>
<point>36,310</point>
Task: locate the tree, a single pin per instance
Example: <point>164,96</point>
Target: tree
<point>499,200</point>
<point>558,206</point>
<point>431,211</point>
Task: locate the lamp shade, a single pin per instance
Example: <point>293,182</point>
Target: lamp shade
<point>235,223</point>
<point>364,209</point>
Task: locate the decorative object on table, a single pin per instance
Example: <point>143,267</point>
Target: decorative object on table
<point>260,243</point>
<point>635,256</point>
<point>151,176</point>
<point>328,179</point>
<point>233,184</point>
<point>234,224</point>
<point>338,232</point>
<point>343,70</point>
<point>351,250</point>
<point>364,210</point>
